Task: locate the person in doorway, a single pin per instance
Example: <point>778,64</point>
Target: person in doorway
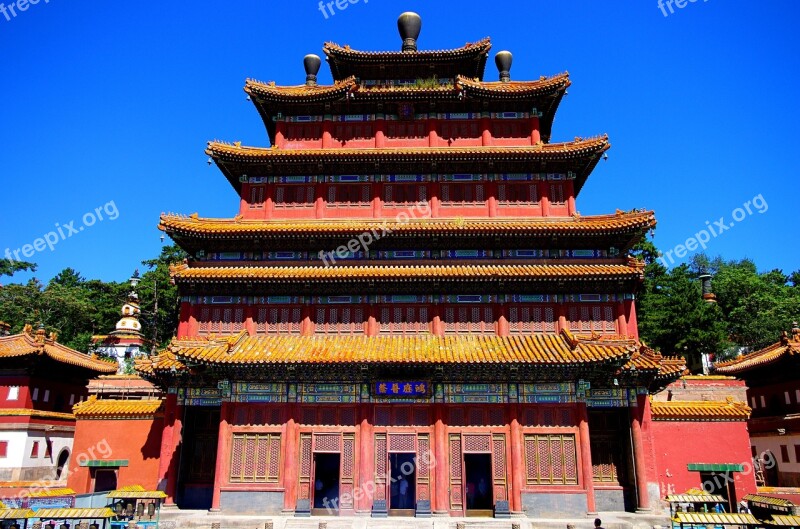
<point>743,507</point>
<point>403,491</point>
<point>598,523</point>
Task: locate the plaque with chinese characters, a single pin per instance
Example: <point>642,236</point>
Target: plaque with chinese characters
<point>402,388</point>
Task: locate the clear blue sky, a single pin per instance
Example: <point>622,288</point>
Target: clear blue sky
<point>114,101</point>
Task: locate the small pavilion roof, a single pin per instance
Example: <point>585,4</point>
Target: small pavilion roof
<point>36,414</point>
<point>136,492</point>
<point>30,344</point>
<point>714,410</point>
<point>469,60</point>
<point>788,346</point>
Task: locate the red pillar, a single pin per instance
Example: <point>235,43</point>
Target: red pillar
<point>291,462</point>
<point>222,453</point>
<point>643,500</point>
<point>170,454</point>
<point>380,132</point>
<point>486,131</point>
<point>622,323</point>
<point>502,320</point>
<point>194,325</point>
<point>633,325</point>
<point>492,199</point>
<point>570,192</point>
<point>366,468</point>
<point>327,137</point>
<point>185,314</point>
<point>586,457</point>
<point>536,136</point>
<point>517,462</point>
<point>544,198</point>
<point>249,320</point>
<point>442,502</point>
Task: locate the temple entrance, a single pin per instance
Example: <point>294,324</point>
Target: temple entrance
<point>403,485</point>
<point>478,484</point>
<point>326,484</point>
<point>198,457</point>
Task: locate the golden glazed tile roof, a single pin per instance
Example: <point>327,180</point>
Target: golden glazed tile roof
<point>544,226</point>
<point>709,518</point>
<point>541,152</point>
<point>74,514</point>
<point>769,500</point>
<point>16,514</point>
<point>35,414</point>
<point>471,49</point>
<point>728,410</point>
<point>787,347</point>
<point>95,408</point>
<point>545,349</point>
<point>785,520</point>
<point>514,89</point>
<point>301,93</point>
<point>286,274</point>
<point>53,493</point>
<point>30,344</point>
<point>136,492</point>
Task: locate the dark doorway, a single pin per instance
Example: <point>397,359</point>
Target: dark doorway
<point>198,457</point>
<point>105,480</point>
<point>63,459</point>
<point>478,484</point>
<point>326,484</point>
<point>403,485</point>
<point>720,483</point>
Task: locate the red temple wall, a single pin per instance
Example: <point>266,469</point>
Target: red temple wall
<point>136,440</point>
<point>678,443</point>
<point>60,395</point>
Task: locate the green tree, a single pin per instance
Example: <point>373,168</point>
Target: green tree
<point>156,283</point>
<point>9,266</point>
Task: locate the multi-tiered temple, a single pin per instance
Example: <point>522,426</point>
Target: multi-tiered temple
<point>408,314</point>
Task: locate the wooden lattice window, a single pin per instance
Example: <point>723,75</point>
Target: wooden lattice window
<point>456,194</point>
<point>348,195</point>
<point>221,320</point>
<point>257,197</point>
<point>406,129</point>
<point>403,319</point>
<point>278,320</point>
<point>551,459</point>
<point>255,458</point>
<point>302,131</point>
<point>557,194</point>
<point>592,318</point>
<point>405,193</point>
<point>453,130</point>
<point>294,195</point>
<point>469,319</point>
<point>518,193</point>
<point>339,320</point>
<point>526,319</point>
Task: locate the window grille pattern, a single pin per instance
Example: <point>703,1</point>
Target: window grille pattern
<point>403,319</point>
<point>551,459</point>
<point>221,320</point>
<point>512,194</point>
<point>592,318</point>
<point>474,319</point>
<point>278,320</point>
<point>255,458</point>
<point>339,320</point>
<point>456,194</point>
<point>528,319</point>
<point>294,195</point>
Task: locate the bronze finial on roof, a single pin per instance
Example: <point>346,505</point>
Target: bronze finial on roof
<point>409,24</point>
<point>312,64</point>
<point>503,61</point>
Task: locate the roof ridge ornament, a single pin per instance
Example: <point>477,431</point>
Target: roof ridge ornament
<point>409,24</point>
<point>311,63</point>
<point>503,60</point>
<point>795,332</point>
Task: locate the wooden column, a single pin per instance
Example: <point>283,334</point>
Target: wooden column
<point>441,504</point>
<point>536,136</point>
<point>643,500</point>
<point>569,191</point>
<point>622,323</point>
<point>291,462</point>
<point>366,467</point>
<point>587,475</point>
<point>380,131</point>
<point>486,130</point>
<point>222,454</point>
<point>517,461</point>
<point>327,137</point>
<point>250,320</point>
<point>185,316</point>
